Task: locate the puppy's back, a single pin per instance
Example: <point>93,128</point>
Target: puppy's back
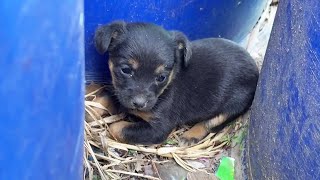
<point>221,57</point>
<point>219,49</point>
<point>221,77</point>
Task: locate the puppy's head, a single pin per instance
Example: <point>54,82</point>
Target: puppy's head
<point>143,60</point>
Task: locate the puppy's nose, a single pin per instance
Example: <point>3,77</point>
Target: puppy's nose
<point>139,102</point>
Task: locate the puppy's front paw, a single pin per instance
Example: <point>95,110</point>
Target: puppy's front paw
<point>194,135</point>
<point>116,130</point>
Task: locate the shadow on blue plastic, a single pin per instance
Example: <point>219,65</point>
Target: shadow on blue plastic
<point>231,19</point>
<point>284,136</point>
<point>41,89</point>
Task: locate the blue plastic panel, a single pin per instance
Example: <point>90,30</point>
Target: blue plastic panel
<point>41,89</point>
<point>231,19</point>
<point>284,137</point>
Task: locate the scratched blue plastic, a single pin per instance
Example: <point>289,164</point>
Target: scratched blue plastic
<point>231,19</point>
<point>41,89</point>
<point>284,137</point>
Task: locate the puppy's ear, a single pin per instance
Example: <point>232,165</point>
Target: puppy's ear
<point>109,36</point>
<point>183,47</point>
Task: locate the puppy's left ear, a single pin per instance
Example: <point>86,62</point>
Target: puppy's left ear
<point>183,47</point>
<point>109,36</point>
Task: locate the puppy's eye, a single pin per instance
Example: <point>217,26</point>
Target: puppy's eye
<point>126,71</point>
<point>160,78</point>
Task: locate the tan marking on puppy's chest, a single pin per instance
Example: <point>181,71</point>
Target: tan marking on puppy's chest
<point>146,116</point>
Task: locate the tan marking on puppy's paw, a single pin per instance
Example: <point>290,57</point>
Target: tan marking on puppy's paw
<point>216,121</point>
<point>144,115</point>
<point>117,128</point>
<point>194,135</point>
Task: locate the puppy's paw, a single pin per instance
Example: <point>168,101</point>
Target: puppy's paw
<point>194,135</point>
<point>116,130</point>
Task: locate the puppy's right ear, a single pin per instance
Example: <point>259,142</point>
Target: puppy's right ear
<point>183,47</point>
<point>109,36</point>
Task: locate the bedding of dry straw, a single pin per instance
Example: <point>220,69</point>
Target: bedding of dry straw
<point>105,158</point>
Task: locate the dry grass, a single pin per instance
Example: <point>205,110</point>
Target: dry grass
<point>107,159</point>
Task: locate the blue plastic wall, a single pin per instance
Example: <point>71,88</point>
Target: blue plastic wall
<point>284,136</point>
<point>231,19</point>
<point>41,89</point>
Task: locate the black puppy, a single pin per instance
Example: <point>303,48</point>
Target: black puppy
<point>166,81</point>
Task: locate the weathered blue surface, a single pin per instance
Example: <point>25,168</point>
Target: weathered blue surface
<point>284,136</point>
<point>41,89</point>
<point>231,19</point>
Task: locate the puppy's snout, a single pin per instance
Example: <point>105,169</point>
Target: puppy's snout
<point>139,102</point>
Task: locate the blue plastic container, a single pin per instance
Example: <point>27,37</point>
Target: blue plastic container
<point>231,19</point>
<point>41,89</point>
<point>284,136</point>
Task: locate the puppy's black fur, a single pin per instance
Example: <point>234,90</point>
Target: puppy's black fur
<point>166,81</point>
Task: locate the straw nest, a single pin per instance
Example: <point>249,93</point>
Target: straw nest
<point>106,158</point>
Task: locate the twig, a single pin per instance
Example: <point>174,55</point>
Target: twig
<point>132,174</point>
